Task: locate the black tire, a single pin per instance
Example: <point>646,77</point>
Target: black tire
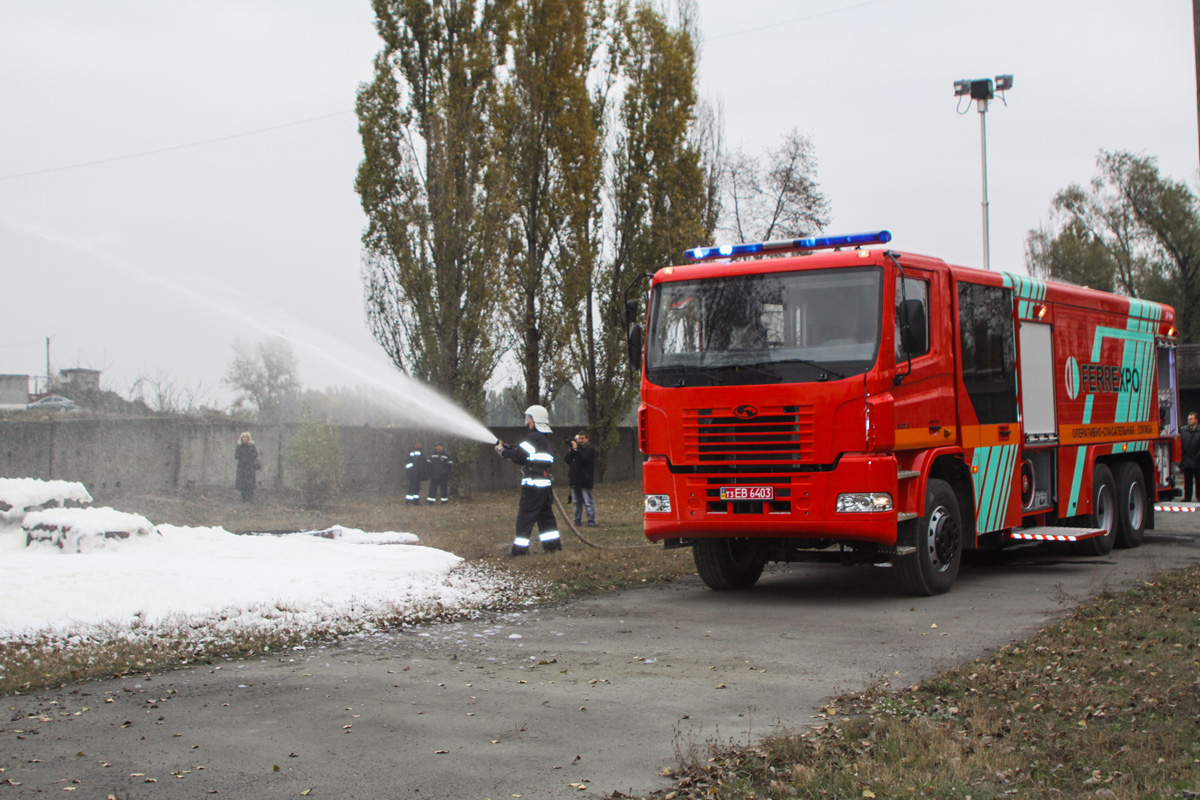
<point>1132,505</point>
<point>728,564</point>
<point>939,541</point>
<point>1104,515</point>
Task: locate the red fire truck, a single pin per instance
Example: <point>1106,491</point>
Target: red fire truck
<point>856,404</point>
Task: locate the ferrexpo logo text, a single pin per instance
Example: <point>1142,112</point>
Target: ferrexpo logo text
<point>1100,379</point>
<point>745,412</point>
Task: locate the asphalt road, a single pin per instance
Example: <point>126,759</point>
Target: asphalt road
<point>600,694</point>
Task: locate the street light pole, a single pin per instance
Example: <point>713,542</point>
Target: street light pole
<point>983,160</point>
<point>982,91</point>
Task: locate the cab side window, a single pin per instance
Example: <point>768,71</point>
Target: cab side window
<point>912,312</point>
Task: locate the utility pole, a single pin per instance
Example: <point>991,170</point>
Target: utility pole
<point>48,357</point>
<point>982,91</point>
<point>1196,49</point>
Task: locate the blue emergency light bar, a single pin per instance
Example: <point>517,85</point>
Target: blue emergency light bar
<point>786,245</point>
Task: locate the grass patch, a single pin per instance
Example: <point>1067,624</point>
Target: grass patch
<point>1103,705</point>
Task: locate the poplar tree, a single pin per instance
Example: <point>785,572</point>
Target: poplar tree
<point>551,136</point>
<point>431,185</point>
<point>658,198</point>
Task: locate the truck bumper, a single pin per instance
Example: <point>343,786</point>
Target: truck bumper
<point>804,504</point>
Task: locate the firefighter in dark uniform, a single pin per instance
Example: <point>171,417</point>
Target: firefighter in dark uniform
<point>440,465</point>
<point>414,470</point>
<point>536,458</point>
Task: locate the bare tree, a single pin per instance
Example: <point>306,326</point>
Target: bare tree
<point>266,377</point>
<point>776,199</point>
<point>162,392</point>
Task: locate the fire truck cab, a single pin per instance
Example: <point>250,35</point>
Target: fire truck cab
<point>851,403</point>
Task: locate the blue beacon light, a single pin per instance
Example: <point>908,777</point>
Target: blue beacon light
<point>786,245</point>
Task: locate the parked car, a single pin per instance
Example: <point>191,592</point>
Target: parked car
<point>53,401</point>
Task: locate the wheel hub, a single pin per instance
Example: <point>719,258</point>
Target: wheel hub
<point>942,538</point>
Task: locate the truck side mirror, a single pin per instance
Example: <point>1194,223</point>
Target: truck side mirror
<point>635,347</point>
<point>631,312</point>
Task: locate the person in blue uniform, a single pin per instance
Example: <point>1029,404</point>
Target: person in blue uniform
<point>440,465</point>
<point>414,470</point>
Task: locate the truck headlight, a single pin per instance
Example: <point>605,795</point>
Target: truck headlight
<point>864,502</point>
<point>658,503</point>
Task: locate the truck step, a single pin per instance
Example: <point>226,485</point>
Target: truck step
<point>904,516</point>
<point>905,474</point>
<point>905,550</point>
<point>1053,534</point>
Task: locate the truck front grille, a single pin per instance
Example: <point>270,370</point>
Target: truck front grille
<point>734,436</point>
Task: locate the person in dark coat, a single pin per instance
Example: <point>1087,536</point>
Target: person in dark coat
<point>582,477</point>
<point>536,505</point>
<point>440,465</point>
<point>248,465</point>
<point>415,470</point>
<point>1190,463</point>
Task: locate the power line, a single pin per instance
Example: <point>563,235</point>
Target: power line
<point>175,147</point>
<point>793,21</point>
<point>281,126</point>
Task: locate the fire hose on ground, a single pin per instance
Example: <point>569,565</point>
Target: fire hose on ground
<point>588,541</point>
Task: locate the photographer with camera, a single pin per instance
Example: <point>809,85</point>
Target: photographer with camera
<point>582,474</point>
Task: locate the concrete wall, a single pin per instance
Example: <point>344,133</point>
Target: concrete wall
<point>164,455</point>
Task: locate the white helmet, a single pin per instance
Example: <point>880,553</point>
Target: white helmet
<point>540,417</point>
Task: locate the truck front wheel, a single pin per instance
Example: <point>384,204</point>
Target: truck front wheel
<point>728,563</point>
<point>939,541</point>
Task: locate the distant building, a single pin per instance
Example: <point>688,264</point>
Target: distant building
<point>14,391</point>
<point>80,381</point>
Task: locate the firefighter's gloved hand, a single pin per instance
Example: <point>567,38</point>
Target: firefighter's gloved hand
<point>499,448</point>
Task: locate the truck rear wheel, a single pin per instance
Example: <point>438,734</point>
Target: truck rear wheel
<point>1104,515</point>
<point>939,541</point>
<point>1131,505</point>
<point>728,563</point>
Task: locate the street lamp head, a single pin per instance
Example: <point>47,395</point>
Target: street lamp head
<point>982,89</point>
<point>1003,82</point>
<point>962,88</point>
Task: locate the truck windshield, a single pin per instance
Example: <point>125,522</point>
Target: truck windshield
<point>777,327</point>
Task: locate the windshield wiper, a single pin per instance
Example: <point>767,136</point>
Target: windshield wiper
<point>774,376</point>
<point>687,369</point>
<point>825,371</point>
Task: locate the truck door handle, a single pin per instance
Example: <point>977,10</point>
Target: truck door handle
<point>1005,432</point>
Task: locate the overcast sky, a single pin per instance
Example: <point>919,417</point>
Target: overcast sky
<point>161,261</point>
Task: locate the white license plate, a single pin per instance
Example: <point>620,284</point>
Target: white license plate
<point>747,492</point>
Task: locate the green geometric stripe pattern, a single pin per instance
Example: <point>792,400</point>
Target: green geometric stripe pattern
<point>1139,353</point>
<point>992,471</point>
<point>1029,290</point>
